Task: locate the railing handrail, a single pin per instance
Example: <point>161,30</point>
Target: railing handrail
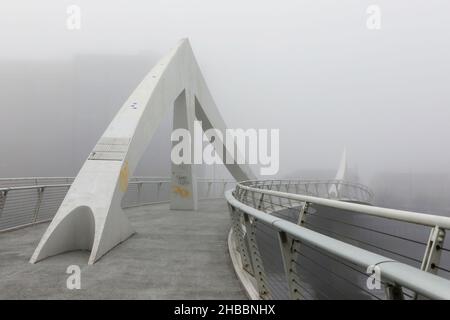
<point>402,274</point>
<point>308,181</point>
<point>148,181</point>
<point>35,187</point>
<point>132,179</point>
<point>34,178</point>
<point>2,189</point>
<point>394,214</point>
<point>216,180</point>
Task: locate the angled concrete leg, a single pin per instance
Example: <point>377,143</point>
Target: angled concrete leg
<point>111,232</point>
<point>183,186</point>
<point>73,231</point>
<point>86,220</point>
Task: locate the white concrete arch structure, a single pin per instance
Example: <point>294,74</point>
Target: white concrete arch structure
<point>340,175</point>
<point>90,217</point>
<point>342,170</point>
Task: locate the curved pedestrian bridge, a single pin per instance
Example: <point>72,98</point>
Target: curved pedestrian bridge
<point>173,255</point>
<point>283,238</point>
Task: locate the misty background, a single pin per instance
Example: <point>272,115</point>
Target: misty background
<point>309,68</point>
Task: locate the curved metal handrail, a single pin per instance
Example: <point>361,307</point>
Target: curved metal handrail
<point>394,214</point>
<point>391,271</point>
<point>299,201</point>
<point>331,189</point>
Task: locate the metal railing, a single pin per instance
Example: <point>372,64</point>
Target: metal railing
<point>287,241</point>
<point>330,189</point>
<point>303,246</point>
<point>33,181</point>
<point>28,201</point>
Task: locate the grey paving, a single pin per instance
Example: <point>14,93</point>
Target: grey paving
<point>173,255</point>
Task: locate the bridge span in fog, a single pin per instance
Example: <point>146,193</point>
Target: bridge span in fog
<point>191,238</point>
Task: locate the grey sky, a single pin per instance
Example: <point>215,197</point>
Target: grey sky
<point>310,68</point>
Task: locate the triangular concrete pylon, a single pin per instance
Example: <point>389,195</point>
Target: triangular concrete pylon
<point>90,217</point>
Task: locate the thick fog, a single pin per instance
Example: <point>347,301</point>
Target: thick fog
<point>312,69</point>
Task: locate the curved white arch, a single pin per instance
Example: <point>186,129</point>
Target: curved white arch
<point>340,175</point>
<point>103,179</point>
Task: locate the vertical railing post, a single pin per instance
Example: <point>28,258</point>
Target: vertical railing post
<point>271,197</point>
<point>245,196</point>
<point>287,190</point>
<point>302,213</point>
<point>279,189</point>
<point>236,192</point>
<point>3,195</point>
<point>239,239</point>
<point>288,254</point>
<point>393,291</point>
<point>261,200</point>
<point>433,250</point>
<point>241,194</point>
<point>208,190</point>
<point>432,255</point>
<point>253,199</point>
<point>40,195</point>
<point>139,193</point>
<point>255,256</point>
<point>158,190</point>
<point>338,190</point>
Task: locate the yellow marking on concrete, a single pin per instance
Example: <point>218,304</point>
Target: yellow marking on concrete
<point>184,193</point>
<point>123,178</point>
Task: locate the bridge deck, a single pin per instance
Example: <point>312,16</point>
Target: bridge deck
<point>174,254</point>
